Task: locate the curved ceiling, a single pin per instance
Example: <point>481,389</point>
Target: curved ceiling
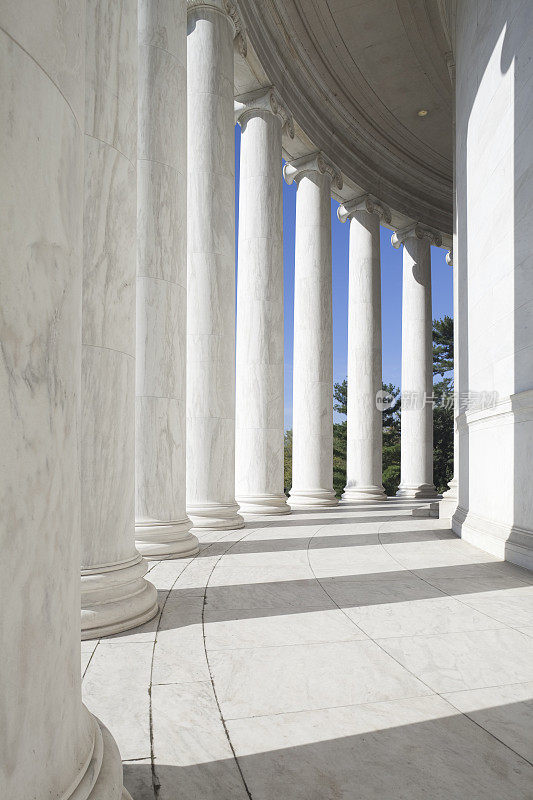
<point>355,74</point>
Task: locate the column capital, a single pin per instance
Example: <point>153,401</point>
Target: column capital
<point>314,162</point>
<point>449,258</point>
<point>416,231</point>
<point>365,202</point>
<point>265,100</point>
<point>230,10</point>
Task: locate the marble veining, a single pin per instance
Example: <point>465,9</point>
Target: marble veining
<point>51,744</point>
<point>364,421</point>
<point>161,522</point>
<point>115,594</point>
<point>211,272</point>
<point>312,449</point>
<point>259,359</point>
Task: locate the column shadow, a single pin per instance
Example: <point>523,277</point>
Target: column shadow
<point>447,756</point>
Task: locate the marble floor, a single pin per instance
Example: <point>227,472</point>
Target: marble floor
<point>353,653</point>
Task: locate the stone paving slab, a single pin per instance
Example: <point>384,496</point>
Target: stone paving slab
<point>349,654</point>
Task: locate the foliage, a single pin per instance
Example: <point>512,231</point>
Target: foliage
<point>287,461</point>
<point>340,394</point>
<point>391,441</point>
<point>442,346</point>
<point>339,457</point>
<point>391,469</point>
<point>443,405</point>
<point>442,434</point>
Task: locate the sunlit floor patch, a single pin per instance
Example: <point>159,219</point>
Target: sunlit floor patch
<point>351,654</point>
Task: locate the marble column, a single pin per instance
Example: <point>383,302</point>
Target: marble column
<point>115,595</point>
<point>259,444</point>
<point>211,266</point>
<point>162,528</point>
<point>416,478</point>
<point>312,437</point>
<point>51,745</point>
<point>364,428</point>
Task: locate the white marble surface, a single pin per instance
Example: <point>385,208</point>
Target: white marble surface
<point>493,149</point>
<point>259,354</point>
<point>364,422</point>
<point>111,71</point>
<point>115,594</point>
<point>162,528</point>
<point>312,396</point>
<point>411,749</point>
<point>211,271</point>
<point>51,745</point>
<point>271,680</point>
<point>416,474</point>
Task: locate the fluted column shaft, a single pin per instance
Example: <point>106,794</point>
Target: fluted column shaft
<point>211,270</point>
<point>312,438</point>
<point>52,747</point>
<point>115,595</point>
<point>417,364</point>
<point>161,523</point>
<point>259,363</point>
<point>364,423</point>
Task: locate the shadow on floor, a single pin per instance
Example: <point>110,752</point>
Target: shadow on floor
<point>183,607</point>
<point>340,755</point>
<point>317,542</point>
<point>288,521</point>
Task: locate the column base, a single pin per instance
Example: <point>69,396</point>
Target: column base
<point>312,498</point>
<point>264,504</point>
<point>115,598</point>
<point>363,494</point>
<point>450,499</point>
<point>215,516</point>
<point>101,778</point>
<point>423,491</point>
<point>166,540</point>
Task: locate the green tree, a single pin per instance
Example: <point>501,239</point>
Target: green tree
<point>442,434</point>
<point>442,345</point>
<point>287,461</point>
<point>391,440</point>
<point>339,457</point>
<point>340,394</point>
<point>443,403</point>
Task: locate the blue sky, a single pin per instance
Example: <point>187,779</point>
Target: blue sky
<point>391,292</point>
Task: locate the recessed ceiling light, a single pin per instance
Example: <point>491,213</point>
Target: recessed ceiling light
<point>423,112</point>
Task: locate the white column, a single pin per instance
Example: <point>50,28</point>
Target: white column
<point>51,745</point>
<point>417,363</point>
<point>259,364</point>
<point>312,438</point>
<point>115,595</point>
<point>211,267</point>
<point>162,528</point>
<point>364,430</point>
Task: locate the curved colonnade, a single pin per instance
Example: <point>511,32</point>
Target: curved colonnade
<point>108,316</point>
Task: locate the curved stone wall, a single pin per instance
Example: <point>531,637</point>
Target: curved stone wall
<point>495,268</point>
